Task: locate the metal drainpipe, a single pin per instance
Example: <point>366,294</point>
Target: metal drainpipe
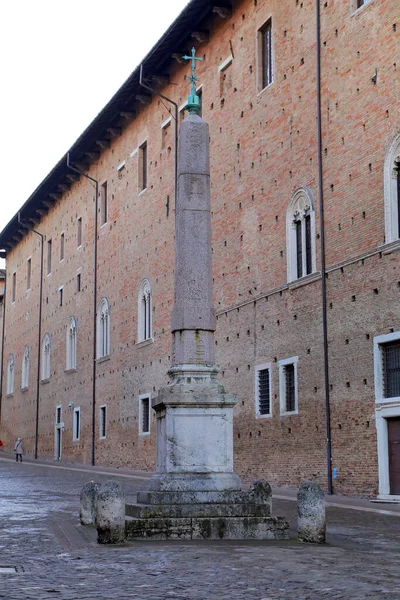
<point>39,332</point>
<point>2,342</point>
<point>96,186</point>
<point>323,258</point>
<point>148,87</point>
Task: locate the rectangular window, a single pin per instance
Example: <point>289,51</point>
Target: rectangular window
<point>79,232</point>
<point>225,77</point>
<point>62,246</point>
<point>391,369</point>
<point>14,286</point>
<point>143,167</point>
<point>144,414</point>
<point>307,222</point>
<point>58,415</point>
<point>78,282</point>
<point>103,415</point>
<point>166,133</point>
<point>288,394</point>
<point>103,204</point>
<point>265,55</point>
<point>263,383</point>
<point>28,273</point>
<point>49,251</point>
<point>77,424</point>
<point>60,296</point>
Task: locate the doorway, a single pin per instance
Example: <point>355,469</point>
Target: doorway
<point>394,455</point>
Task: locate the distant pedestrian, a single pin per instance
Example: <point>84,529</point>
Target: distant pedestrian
<point>18,449</point>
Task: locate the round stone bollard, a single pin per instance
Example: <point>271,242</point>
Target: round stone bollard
<point>311,513</point>
<point>87,511</point>
<point>110,517</point>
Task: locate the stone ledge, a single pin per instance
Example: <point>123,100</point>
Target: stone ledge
<point>174,511</point>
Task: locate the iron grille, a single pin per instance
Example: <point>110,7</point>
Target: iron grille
<point>264,400</point>
<point>146,415</point>
<point>391,370</point>
<point>290,392</point>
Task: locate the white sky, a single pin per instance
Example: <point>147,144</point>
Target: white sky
<point>60,63</point>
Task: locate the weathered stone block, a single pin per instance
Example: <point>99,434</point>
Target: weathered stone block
<point>311,513</point>
<point>88,502</point>
<point>158,529</point>
<point>110,517</point>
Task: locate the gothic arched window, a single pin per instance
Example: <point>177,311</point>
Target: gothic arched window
<point>300,235</point>
<point>71,344</point>
<point>25,368</point>
<point>103,329</point>
<point>144,311</point>
<point>392,191</point>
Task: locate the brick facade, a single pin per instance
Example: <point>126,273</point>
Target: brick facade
<point>264,147</point>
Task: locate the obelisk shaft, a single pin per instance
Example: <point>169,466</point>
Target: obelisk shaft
<point>193,318</point>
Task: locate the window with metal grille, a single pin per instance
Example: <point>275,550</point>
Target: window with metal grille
<point>144,414</point>
<point>290,389</point>
<point>391,369</point>
<point>263,390</point>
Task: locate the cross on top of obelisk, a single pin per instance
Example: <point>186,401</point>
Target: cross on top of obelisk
<point>193,103</point>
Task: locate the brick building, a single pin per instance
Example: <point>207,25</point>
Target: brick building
<point>302,102</point>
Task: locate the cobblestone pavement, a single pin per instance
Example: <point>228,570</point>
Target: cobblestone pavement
<point>45,554</point>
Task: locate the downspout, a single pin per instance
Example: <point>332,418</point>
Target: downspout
<point>94,373</point>
<point>323,258</point>
<point>2,342</point>
<point>148,87</point>
<point>39,345</point>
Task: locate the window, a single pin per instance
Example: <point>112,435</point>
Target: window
<point>263,390</point>
<point>300,235</point>
<point>103,415</point>
<point>144,414</point>
<point>10,374</point>
<point>14,286</point>
<point>71,344</point>
<point>144,312</point>
<point>78,282</point>
<point>79,232</point>
<point>46,346</point>
<point>62,246</point>
<point>77,425</point>
<point>58,414</point>
<point>28,273</point>
<point>60,296</point>
<point>143,167</point>
<point>225,77</point>
<point>103,329</point>
<point>392,192</point>
<point>387,367</point>
<point>360,3</point>
<point>25,368</point>
<point>288,395</point>
<point>103,204</point>
<point>166,133</point>
<point>49,251</point>
<point>265,56</point>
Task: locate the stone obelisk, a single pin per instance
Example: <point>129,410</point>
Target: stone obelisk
<point>194,414</point>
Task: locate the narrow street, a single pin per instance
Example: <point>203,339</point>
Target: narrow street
<point>45,553</point>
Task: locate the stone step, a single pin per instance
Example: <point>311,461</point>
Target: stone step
<point>172,511</point>
<point>221,528</point>
<point>224,497</point>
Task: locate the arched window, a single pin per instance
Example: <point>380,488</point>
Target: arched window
<point>71,344</point>
<point>46,346</point>
<point>300,235</point>
<point>10,374</point>
<point>144,311</point>
<point>103,329</point>
<point>25,368</point>
<point>392,191</point>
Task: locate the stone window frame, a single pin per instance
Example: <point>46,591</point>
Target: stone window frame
<point>257,369</point>
<point>302,201</point>
<point>143,167</point>
<point>49,256</point>
<point>103,422</point>
<point>61,296</point>
<point>356,7</point>
<point>28,273</point>
<point>103,346</point>
<point>260,55</point>
<point>79,232</point>
<point>379,342</point>
<point>62,246</point>
<point>282,364</point>
<point>221,69</point>
<point>25,368</point>
<point>46,358</point>
<point>145,312</point>
<point>10,374</point>
<point>103,203</point>
<point>76,424</point>
<point>142,398</point>
<point>165,128</point>
<point>391,199</point>
<point>71,345</point>
<point>14,287</point>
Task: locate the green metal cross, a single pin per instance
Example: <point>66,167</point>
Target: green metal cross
<point>193,103</point>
